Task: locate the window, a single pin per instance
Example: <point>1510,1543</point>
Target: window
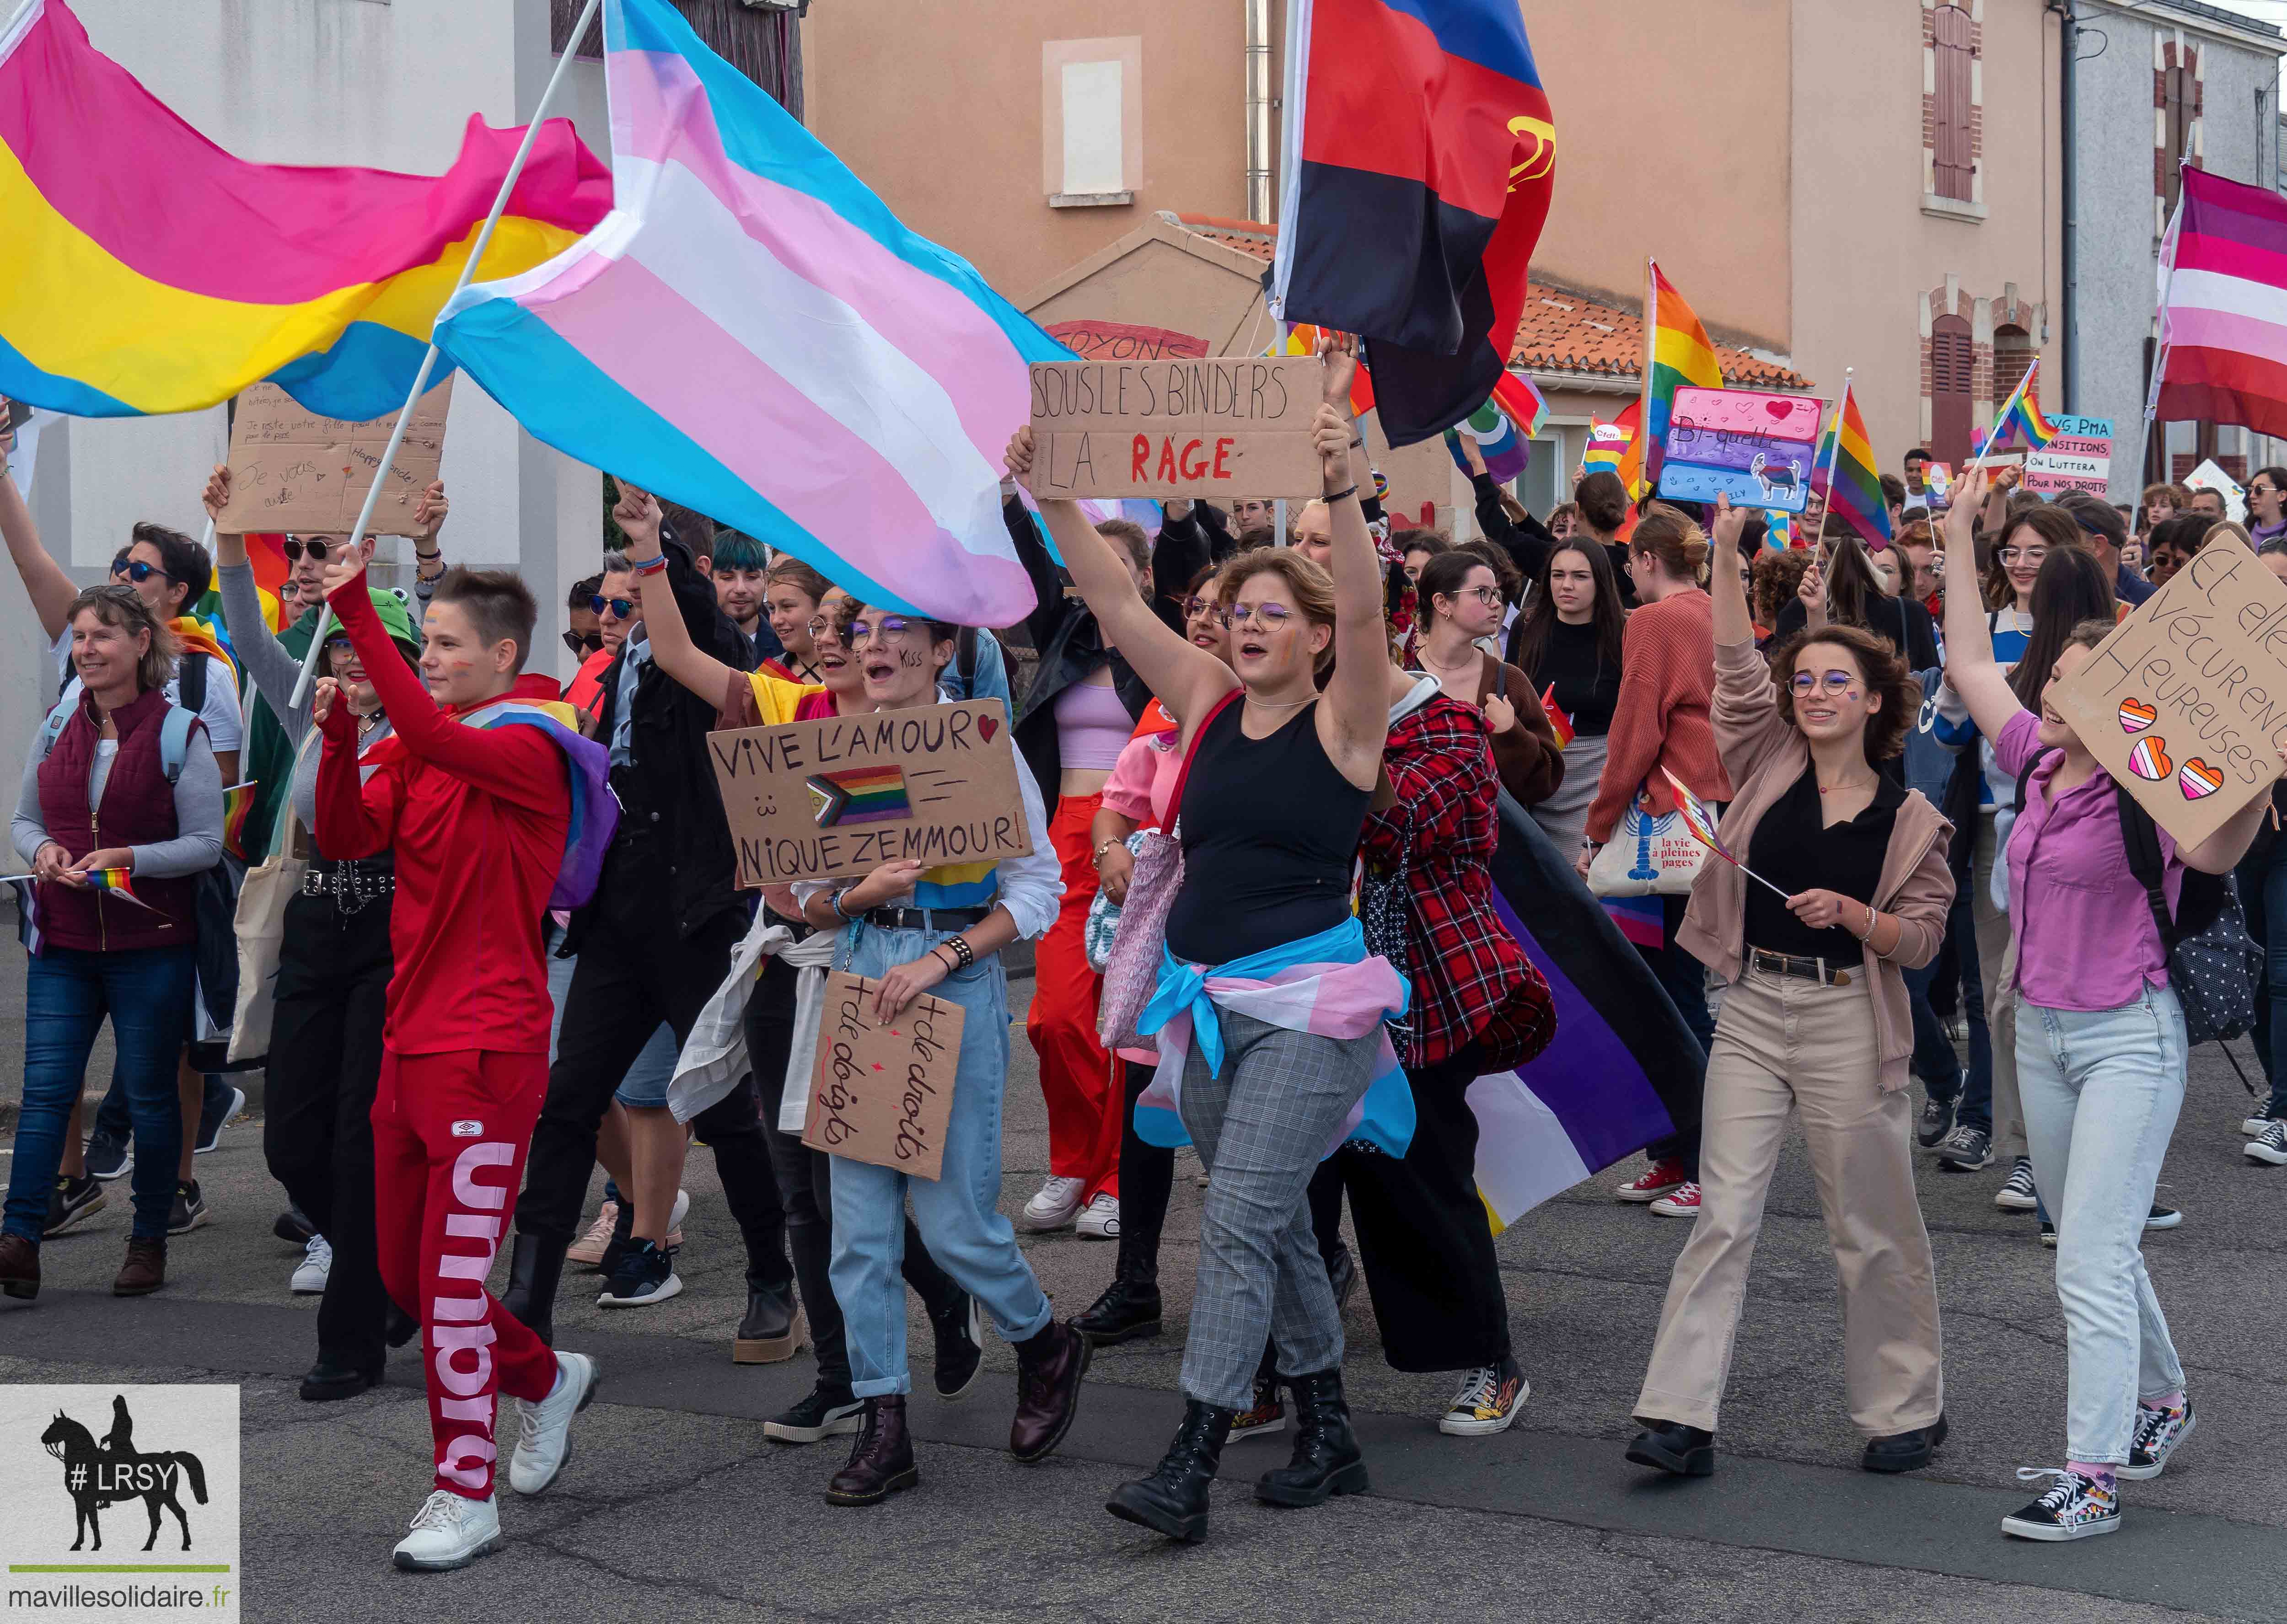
<point>1950,371</point>
<point>2013,352</point>
<point>1955,159</point>
<point>1092,121</point>
<point>2179,108</point>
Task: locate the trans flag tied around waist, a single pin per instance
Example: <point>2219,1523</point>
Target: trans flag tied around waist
<point>1325,984</point>
<point>595,810</point>
<point>1423,155</point>
<point>2223,307</point>
<point>1622,1070</point>
<point>753,334</point>
<point>143,269</point>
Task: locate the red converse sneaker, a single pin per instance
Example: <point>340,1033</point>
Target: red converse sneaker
<point>1681,1202</point>
<point>1656,1181</point>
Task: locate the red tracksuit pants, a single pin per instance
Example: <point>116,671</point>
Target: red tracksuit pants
<point>1076,1079</point>
<point>449,1136</point>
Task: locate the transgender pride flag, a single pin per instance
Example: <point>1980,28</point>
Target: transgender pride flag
<point>752,334</point>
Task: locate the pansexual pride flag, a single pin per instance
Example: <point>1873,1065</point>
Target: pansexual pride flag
<point>1676,352</point>
<point>752,334</point>
<point>2223,315</point>
<point>1855,484</point>
<point>143,269</point>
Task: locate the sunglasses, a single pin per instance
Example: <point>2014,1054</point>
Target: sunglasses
<point>618,608</point>
<point>135,569</point>
<point>1833,684</point>
<point>1272,615</point>
<point>888,626</point>
<point>294,547</point>
<point>584,643</point>
<point>819,627</point>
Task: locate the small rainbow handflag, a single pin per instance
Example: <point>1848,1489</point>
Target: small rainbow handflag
<point>1854,482</point>
<point>2022,427</point>
<point>859,794</point>
<point>1608,442</point>
<point>1557,719</point>
<point>1303,339</point>
<point>237,800</point>
<point>1701,822</point>
<point>115,882</point>
<point>1676,352</point>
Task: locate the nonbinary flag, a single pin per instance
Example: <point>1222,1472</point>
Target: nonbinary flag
<point>753,334</point>
<point>2223,315</point>
<point>143,269</point>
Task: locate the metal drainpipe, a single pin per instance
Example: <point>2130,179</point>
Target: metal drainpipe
<point>2068,52</point>
<point>1258,110</point>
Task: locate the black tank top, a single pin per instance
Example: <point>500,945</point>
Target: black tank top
<point>1270,829</point>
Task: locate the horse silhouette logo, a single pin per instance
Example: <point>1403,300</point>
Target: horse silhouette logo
<point>97,1476</point>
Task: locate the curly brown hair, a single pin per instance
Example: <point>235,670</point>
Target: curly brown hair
<point>1778,572</point>
<point>1879,661</point>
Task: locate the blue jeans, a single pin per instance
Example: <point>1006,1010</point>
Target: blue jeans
<point>958,1212</point>
<point>146,992</point>
<point>2102,1089</point>
<point>2263,894</point>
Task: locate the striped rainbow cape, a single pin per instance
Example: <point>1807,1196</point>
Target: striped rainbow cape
<point>143,269</point>
<point>753,334</point>
<point>595,809</point>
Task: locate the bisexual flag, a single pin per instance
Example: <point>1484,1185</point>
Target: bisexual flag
<point>1422,154</point>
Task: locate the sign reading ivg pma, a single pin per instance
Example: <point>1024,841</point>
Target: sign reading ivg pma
<point>2078,459</point>
<point>122,1502</point>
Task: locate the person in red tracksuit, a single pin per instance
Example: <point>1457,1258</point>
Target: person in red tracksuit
<point>476,817</point>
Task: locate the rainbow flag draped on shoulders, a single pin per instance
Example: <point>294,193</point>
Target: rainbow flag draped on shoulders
<point>144,270</point>
<point>1677,352</point>
<point>1855,487</point>
<point>595,810</point>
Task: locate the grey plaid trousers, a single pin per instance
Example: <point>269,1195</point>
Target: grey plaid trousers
<point>1262,1129</point>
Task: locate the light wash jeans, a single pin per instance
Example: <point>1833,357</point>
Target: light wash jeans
<point>2100,1090</point>
<point>958,1212</point>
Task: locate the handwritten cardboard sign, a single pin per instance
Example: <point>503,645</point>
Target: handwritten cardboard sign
<point>1123,340</point>
<point>293,470</point>
<point>2078,459</point>
<point>842,796</point>
<point>1223,426</point>
<point>1757,450</point>
<point>883,1089</point>
<point>2186,702</point>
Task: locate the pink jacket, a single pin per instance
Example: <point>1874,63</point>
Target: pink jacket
<point>1763,755</point>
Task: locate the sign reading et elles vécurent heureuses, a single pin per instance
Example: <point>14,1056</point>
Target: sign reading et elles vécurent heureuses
<point>2185,702</point>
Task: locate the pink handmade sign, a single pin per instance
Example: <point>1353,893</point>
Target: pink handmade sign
<point>1757,450</point>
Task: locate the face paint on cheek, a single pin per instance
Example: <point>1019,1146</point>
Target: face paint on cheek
<point>910,659</point>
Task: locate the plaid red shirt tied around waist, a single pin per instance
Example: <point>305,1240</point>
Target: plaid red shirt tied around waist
<point>1471,979</point>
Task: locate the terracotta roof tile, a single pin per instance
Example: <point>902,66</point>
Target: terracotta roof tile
<point>1561,331</point>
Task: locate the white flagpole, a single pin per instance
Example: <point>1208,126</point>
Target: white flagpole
<point>2160,348</point>
<point>1833,452</point>
<point>429,361</point>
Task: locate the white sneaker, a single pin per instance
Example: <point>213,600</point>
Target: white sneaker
<point>1055,1205</point>
<point>449,1531</point>
<point>1101,1221</point>
<point>317,1262</point>
<point>545,1441</point>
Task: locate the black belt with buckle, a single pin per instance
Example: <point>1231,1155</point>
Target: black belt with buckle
<point>350,882</point>
<point>1806,970</point>
<point>923,918</point>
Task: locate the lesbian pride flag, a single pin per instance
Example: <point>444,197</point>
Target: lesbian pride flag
<point>752,334</point>
<point>143,269</point>
<point>2223,315</point>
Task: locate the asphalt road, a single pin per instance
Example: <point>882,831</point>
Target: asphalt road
<point>675,1507</point>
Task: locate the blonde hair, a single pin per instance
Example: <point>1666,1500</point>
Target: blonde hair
<point>1668,534</point>
<point>1313,589</point>
<point>122,607</point>
<point>2237,533</point>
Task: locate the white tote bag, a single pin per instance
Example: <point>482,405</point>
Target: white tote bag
<point>1650,854</point>
<point>261,927</point>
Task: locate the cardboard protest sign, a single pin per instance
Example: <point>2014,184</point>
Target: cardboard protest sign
<point>1757,450</point>
<point>2186,702</point>
<point>1123,340</point>
<point>882,1090</point>
<point>2210,476</point>
<point>2078,459</point>
<point>842,796</point>
<point>293,470</point>
<point>1224,426</point>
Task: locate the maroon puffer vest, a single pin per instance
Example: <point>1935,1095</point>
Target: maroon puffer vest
<point>139,807</point>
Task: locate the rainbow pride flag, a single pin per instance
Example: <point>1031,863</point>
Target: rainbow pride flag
<point>1854,484</point>
<point>237,800</point>
<point>146,270</point>
<point>2022,425</point>
<point>595,810</point>
<point>1676,352</point>
<point>117,882</point>
<point>1608,442</point>
<point>1303,339</point>
<point>858,795</point>
<point>1520,398</point>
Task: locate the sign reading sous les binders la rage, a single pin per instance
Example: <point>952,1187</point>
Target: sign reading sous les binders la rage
<point>840,795</point>
<point>1211,427</point>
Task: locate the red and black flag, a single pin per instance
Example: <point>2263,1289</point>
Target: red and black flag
<point>1420,159</point>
